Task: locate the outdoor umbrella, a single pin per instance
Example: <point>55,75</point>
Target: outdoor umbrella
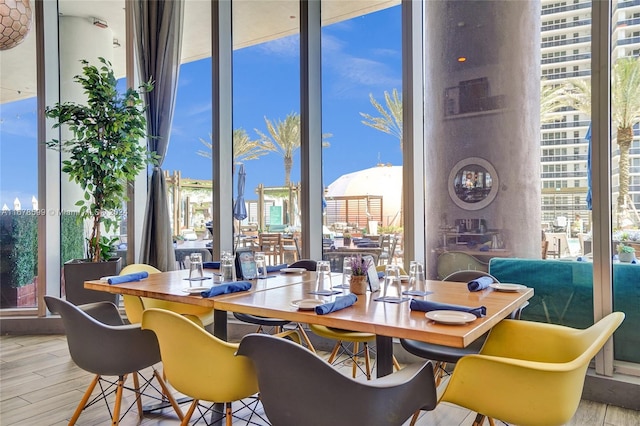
<point>588,138</point>
<point>239,209</point>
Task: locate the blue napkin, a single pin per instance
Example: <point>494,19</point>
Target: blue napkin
<point>136,276</point>
<point>211,265</point>
<point>427,306</point>
<point>226,288</point>
<point>275,268</point>
<point>367,245</point>
<point>341,302</point>
<point>479,283</point>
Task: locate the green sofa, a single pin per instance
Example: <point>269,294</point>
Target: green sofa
<point>564,295</point>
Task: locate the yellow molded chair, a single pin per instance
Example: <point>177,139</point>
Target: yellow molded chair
<point>199,364</point>
<point>529,373</point>
<point>344,337</point>
<point>134,305</point>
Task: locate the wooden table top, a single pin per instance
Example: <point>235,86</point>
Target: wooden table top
<point>273,297</point>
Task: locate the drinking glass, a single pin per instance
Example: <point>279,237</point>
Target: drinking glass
<point>346,274</point>
<point>391,281</point>
<point>323,268</point>
<point>226,266</point>
<point>196,272</point>
<point>417,281</point>
<point>261,263</point>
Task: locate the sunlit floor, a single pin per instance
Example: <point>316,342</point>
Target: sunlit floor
<point>40,385</point>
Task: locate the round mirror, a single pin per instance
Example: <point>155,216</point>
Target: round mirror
<point>473,183</point>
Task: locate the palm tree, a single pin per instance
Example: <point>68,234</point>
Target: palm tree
<point>285,140</point>
<point>550,101</point>
<point>390,120</point>
<point>244,148</point>
<point>625,107</point>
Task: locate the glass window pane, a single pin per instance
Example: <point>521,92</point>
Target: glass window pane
<point>18,170</point>
<point>362,128</point>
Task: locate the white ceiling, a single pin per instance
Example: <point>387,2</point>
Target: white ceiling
<point>253,22</point>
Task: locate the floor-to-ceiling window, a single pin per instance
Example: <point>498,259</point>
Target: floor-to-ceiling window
<point>19,162</point>
<point>363,128</point>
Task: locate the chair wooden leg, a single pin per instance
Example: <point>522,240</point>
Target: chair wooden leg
<point>332,357</point>
<point>367,360</point>
<point>396,364</point>
<point>491,422</point>
<point>116,407</point>
<point>439,372</point>
<point>479,420</point>
<point>354,367</point>
<point>306,338</point>
<point>187,417</point>
<point>136,386</point>
<point>168,395</point>
<point>228,413</point>
<point>414,419</point>
<point>84,400</point>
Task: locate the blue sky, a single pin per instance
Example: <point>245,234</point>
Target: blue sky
<point>359,56</point>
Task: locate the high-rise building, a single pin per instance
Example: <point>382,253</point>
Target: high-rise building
<point>566,55</point>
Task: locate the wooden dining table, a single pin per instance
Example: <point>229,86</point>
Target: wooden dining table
<point>275,297</point>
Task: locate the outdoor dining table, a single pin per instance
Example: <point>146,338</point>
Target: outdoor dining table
<point>273,297</point>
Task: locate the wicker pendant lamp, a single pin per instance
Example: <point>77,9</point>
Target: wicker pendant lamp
<point>15,22</point>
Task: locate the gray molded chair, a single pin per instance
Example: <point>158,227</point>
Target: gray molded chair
<point>275,323</point>
<point>100,343</point>
<point>326,396</point>
<point>441,354</point>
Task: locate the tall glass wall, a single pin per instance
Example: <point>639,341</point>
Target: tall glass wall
<point>362,124</point>
<point>506,152</point>
<point>19,167</point>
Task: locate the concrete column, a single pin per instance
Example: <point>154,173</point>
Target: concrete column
<point>500,41</point>
<point>79,39</point>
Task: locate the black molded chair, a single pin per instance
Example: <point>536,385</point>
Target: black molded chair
<point>299,388</point>
<point>100,343</point>
<point>275,323</point>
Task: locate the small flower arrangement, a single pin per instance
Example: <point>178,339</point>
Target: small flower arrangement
<point>359,265</point>
<point>622,248</point>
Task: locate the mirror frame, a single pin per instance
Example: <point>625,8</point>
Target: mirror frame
<point>495,183</point>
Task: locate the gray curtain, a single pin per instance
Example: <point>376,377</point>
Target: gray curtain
<point>158,31</point>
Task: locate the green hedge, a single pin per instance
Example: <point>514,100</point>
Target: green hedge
<point>19,245</point>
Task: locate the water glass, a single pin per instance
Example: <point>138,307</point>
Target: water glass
<point>391,281</point>
<point>226,266</point>
<point>196,272</point>
<point>261,263</point>
<point>323,268</point>
<point>346,274</point>
<point>417,281</point>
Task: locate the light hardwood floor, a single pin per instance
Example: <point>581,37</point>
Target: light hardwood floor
<point>40,385</point>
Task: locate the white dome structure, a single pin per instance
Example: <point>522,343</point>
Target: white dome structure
<point>382,180</point>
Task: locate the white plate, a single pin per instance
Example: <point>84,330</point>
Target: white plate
<point>293,270</point>
<point>195,290</point>
<point>307,304</point>
<point>451,317</point>
<point>404,277</point>
<point>507,287</point>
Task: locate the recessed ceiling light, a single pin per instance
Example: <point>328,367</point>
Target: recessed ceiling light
<point>462,59</point>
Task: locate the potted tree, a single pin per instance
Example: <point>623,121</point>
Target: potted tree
<point>104,156</point>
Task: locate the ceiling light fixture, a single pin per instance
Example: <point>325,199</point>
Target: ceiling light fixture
<point>100,23</point>
<point>15,22</point>
<point>462,59</point>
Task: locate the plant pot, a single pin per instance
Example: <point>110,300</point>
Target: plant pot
<point>77,271</point>
<point>346,241</point>
<point>358,284</point>
<point>626,257</point>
